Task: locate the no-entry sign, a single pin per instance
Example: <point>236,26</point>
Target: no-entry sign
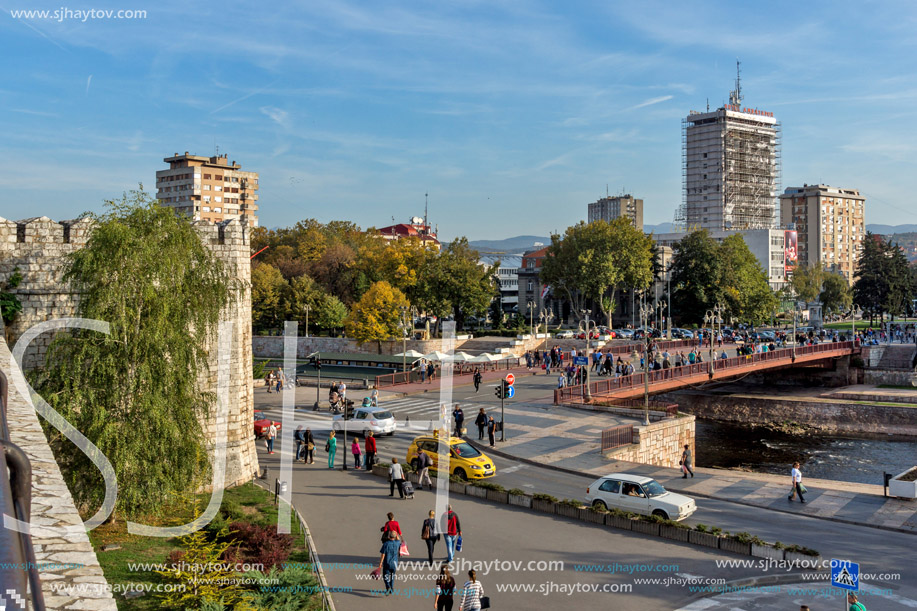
<point>510,379</point>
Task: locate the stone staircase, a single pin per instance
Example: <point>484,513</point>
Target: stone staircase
<point>890,356</point>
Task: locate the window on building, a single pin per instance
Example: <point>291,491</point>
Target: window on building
<point>206,198</point>
<point>206,208</point>
<point>217,188</point>
<point>206,176</point>
<point>218,210</point>
<point>206,187</point>
<point>217,199</point>
<point>531,286</point>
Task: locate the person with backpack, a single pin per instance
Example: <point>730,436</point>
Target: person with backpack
<point>388,562</point>
<point>429,535</point>
<point>445,590</point>
<point>472,593</point>
<point>452,529</point>
<point>424,462</point>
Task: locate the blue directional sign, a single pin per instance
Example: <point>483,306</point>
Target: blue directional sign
<point>510,392</point>
<point>581,360</point>
<point>845,574</point>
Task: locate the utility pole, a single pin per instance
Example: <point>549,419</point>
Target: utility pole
<point>644,314</point>
<point>307,308</point>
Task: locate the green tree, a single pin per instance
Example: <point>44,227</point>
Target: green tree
<point>836,295</point>
<point>807,281</point>
<point>135,393</point>
<point>743,285</point>
<point>884,283</point>
<point>696,269</point>
<point>268,287</point>
<point>454,283</point>
<point>330,312</point>
<point>593,261</point>
<point>377,315</point>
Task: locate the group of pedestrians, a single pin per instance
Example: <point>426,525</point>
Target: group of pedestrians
<point>305,447</point>
<point>450,529</point>
<point>275,380</point>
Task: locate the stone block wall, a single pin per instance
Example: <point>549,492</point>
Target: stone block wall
<point>660,444</point>
<point>38,247</point>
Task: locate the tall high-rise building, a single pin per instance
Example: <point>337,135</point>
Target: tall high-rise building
<point>731,167</point>
<point>609,208</point>
<point>829,224</point>
<point>209,188</point>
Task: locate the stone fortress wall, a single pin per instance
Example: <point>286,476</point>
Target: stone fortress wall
<point>38,248</point>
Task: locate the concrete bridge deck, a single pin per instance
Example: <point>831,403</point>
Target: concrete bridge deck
<point>664,380</point>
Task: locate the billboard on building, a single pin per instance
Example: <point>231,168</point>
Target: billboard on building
<point>790,256</point>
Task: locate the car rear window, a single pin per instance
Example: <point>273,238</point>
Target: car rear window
<point>381,415</point>
<point>610,485</point>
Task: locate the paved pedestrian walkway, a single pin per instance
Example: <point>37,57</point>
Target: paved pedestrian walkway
<point>569,440</point>
<point>487,378</point>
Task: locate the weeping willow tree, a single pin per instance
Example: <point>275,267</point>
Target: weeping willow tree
<point>136,393</point>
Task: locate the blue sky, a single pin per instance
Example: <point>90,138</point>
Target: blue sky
<point>511,115</point>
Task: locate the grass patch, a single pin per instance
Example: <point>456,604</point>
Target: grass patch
<point>245,503</point>
<point>902,387</point>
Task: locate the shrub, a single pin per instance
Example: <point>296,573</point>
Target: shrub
<point>544,497</point>
<point>742,537</point>
<point>490,486</point>
<point>262,544</point>
<point>701,528</point>
<point>516,492</point>
<point>232,510</point>
<point>716,530</point>
<point>799,549</point>
<point>288,590</point>
<point>779,545</point>
<point>621,513</point>
<point>572,503</point>
<point>598,508</point>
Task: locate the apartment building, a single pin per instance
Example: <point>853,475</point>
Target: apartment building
<point>209,188</point>
<point>609,208</point>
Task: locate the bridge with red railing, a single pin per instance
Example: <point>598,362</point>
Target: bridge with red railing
<point>664,380</point>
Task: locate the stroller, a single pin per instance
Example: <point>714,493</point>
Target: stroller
<point>337,404</point>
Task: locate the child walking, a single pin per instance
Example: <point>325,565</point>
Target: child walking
<point>357,453</point>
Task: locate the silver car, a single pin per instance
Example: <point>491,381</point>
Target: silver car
<point>638,494</point>
<point>376,419</point>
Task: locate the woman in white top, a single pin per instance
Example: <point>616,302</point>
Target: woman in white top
<point>472,593</point>
<point>796,475</point>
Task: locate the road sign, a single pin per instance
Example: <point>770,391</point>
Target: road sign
<point>510,379</point>
<point>845,574</point>
<point>510,392</point>
<point>581,360</point>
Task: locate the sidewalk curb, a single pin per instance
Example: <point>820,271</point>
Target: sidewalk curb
<point>535,463</point>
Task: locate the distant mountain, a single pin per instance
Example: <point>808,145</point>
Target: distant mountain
<point>891,229</point>
<point>518,244</point>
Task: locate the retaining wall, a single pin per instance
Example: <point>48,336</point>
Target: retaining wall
<point>659,444</point>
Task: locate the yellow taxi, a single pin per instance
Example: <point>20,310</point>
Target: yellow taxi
<point>465,461</point>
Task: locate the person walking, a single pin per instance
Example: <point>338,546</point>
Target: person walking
<point>477,379</point>
<point>429,535</point>
<point>686,462</point>
<point>269,379</point>
<point>374,398</point>
<point>388,562</point>
<point>452,529</point>
<point>491,430</point>
<point>423,372</point>
<point>424,462</point>
<point>370,443</point>
<point>271,433</point>
<point>445,590</point>
<point>396,478</point>
<point>472,592</point>
<point>459,417</point>
<point>391,525</point>
<point>430,371</point>
<point>297,437</point>
<point>331,447</point>
<point>798,488</point>
<point>855,605</point>
<point>357,454</point>
<point>481,422</point>
<point>308,454</point>
<point>281,379</point>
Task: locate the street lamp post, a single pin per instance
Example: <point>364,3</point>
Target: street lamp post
<point>404,338</point>
<point>645,311</point>
<point>531,308</point>
<point>661,307</point>
<point>586,394</point>
<point>854,310</point>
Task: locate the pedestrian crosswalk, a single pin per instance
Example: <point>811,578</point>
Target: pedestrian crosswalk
<point>405,409</point>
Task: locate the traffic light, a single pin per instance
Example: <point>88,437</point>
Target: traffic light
<point>316,363</point>
<point>505,387</point>
<point>498,391</point>
<point>348,410</point>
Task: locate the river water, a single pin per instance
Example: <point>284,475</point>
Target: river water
<point>853,459</point>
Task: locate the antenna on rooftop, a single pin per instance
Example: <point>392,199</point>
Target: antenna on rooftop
<point>425,201</point>
<point>735,96</point>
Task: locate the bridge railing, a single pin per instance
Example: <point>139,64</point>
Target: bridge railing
<point>458,369</point>
<point>606,386</point>
<point>617,436</point>
<point>18,570</point>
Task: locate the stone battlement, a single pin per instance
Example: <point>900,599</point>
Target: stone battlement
<point>38,247</point>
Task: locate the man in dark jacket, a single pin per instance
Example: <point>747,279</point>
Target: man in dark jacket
<point>452,529</point>
<point>491,430</point>
<point>481,422</point>
<point>459,416</point>
<point>424,462</point>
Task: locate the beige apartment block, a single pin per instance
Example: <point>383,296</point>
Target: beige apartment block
<point>609,208</point>
<point>209,189</point>
<point>830,225</point>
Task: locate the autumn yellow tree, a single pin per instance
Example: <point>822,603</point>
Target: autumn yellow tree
<point>375,317</point>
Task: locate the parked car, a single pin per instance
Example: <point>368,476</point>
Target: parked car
<point>376,419</point>
<point>678,333</point>
<point>262,424</point>
<point>465,461</point>
<point>625,333</point>
<point>563,335</point>
<point>638,494</point>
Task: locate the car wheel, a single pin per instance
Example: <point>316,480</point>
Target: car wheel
<point>597,504</point>
<point>460,473</point>
<point>661,514</point>
<point>390,434</point>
